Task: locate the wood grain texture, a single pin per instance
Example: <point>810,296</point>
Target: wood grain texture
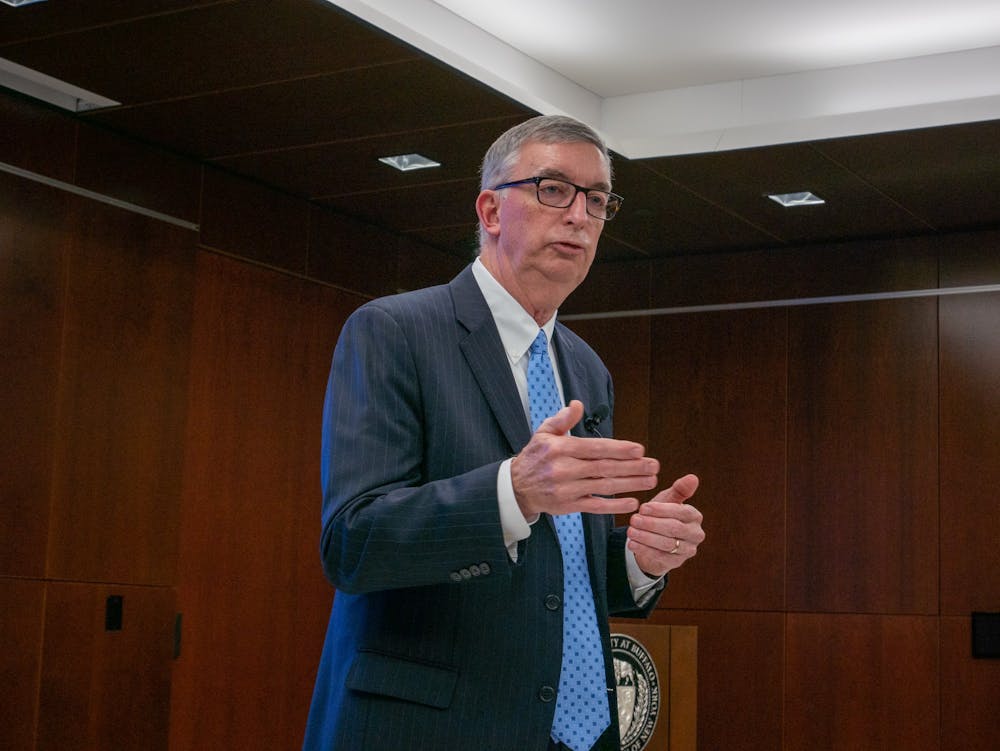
<point>862,458</point>
<point>862,681</point>
<point>35,240</point>
<point>251,590</point>
<point>122,399</point>
<point>105,689</point>
<point>717,408</point>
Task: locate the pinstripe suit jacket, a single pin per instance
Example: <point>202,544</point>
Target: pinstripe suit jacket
<point>437,640</point>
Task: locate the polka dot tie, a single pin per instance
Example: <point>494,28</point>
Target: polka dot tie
<point>582,712</point>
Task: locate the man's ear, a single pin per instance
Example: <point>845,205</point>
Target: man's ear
<point>488,210</point>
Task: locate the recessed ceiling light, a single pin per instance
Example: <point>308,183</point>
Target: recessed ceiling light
<point>803,198</point>
<point>15,3</point>
<point>407,162</point>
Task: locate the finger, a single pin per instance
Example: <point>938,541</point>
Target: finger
<point>563,421</point>
<point>682,489</point>
<point>603,448</point>
<point>595,505</point>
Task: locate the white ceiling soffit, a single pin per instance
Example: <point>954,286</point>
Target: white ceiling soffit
<point>664,77</point>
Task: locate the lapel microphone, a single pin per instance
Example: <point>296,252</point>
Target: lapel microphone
<point>595,418</point>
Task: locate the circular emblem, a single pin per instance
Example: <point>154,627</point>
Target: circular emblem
<point>638,691</point>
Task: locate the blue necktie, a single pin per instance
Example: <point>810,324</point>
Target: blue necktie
<point>582,712</point>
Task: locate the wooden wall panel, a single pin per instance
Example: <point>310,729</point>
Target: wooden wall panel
<point>122,399</point>
<point>139,174</point>
<point>717,408</point>
<point>250,221</point>
<point>740,677</point>
<point>36,138</point>
<point>105,689</point>
<point>251,590</point>
<point>623,344</point>
<point>34,239</point>
<point>970,692</point>
<point>21,613</point>
<point>862,458</point>
<point>970,457</point>
<point>861,682</point>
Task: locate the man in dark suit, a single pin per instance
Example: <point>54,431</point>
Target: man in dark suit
<point>441,504</point>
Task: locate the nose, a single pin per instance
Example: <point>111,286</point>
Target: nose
<point>577,211</point>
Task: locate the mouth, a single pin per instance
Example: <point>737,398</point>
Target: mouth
<point>568,247</point>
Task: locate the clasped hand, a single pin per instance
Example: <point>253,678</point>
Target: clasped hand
<point>558,473</point>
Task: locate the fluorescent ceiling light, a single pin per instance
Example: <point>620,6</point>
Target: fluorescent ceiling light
<point>49,89</point>
<point>803,198</point>
<point>407,162</point>
<point>15,3</point>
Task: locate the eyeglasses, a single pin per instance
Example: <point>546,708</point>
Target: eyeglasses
<point>559,194</point>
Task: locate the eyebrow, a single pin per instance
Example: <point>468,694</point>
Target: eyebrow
<point>560,175</point>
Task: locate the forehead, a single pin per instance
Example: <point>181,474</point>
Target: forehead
<point>579,162</point>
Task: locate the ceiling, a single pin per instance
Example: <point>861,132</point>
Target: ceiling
<point>305,96</point>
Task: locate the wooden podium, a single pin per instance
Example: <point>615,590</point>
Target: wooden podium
<point>656,671</point>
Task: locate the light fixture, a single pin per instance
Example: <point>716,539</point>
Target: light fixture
<point>802,198</point>
<point>407,162</point>
<point>49,89</point>
<point>15,3</point>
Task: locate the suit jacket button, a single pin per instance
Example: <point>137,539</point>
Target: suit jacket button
<point>455,576</point>
<point>552,602</point>
<point>474,570</point>
<point>484,568</point>
<point>546,693</point>
<point>466,574</point>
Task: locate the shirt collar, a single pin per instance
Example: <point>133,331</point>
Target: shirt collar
<point>517,329</point>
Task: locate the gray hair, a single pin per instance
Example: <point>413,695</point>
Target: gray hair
<point>500,157</point>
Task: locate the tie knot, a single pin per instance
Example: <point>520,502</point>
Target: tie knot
<point>541,344</point>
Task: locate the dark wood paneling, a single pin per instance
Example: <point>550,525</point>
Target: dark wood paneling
<point>623,344</point>
<point>862,458</point>
<point>313,109</point>
<point>950,184</point>
<point>776,275</point>
<point>21,605</point>
<point>422,266</point>
<point>221,45</point>
<point>717,408</point>
<point>36,138</point>
<point>611,287</point>
<point>353,166</point>
<point>970,692</point>
<point>740,180</point>
<point>116,167</point>
<point>251,590</point>
<point>352,255</point>
<point>46,19</point>
<point>105,689</point>
<point>34,239</point>
<point>861,682</point>
<point>122,400</point>
<point>251,221</point>
<point>740,677</point>
<point>411,208</point>
<point>970,458</point>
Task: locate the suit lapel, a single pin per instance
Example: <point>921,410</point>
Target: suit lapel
<point>483,350</point>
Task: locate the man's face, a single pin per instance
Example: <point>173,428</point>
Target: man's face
<point>541,250</point>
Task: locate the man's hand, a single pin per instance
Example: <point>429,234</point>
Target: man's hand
<point>559,474</point>
<point>666,531</point>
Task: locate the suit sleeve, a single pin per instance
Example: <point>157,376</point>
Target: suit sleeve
<point>387,521</point>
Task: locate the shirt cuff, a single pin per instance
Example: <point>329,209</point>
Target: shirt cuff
<point>515,527</point>
<point>643,587</point>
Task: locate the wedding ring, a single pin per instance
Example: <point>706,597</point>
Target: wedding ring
<point>677,547</point>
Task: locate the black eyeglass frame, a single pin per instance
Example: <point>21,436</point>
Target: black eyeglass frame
<point>613,199</point>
